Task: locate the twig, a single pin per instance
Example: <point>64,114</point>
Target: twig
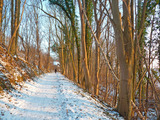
<point>138,111</point>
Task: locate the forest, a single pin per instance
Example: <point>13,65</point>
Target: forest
<point>110,48</point>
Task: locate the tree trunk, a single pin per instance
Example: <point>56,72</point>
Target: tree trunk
<point>5,26</point>
<point>73,63</point>
<point>12,17</point>
<point>99,17</point>
<point>125,56</point>
<point>97,55</point>
<point>38,43</point>
<point>84,52</point>
<point>71,51</point>
<point>107,71</point>
<point>78,48</point>
<point>48,56</point>
<point>12,47</point>
<point>88,8</point>
<point>135,54</point>
<point>140,72</point>
<point>17,12</point>
<point>15,26</point>
<point>49,46</point>
<point>1,9</point>
<point>15,15</point>
<point>14,21</point>
<point>62,60</point>
<point>159,55</point>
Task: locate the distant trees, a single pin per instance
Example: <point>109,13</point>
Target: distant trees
<point>68,8</point>
<point>20,32</point>
<point>5,21</point>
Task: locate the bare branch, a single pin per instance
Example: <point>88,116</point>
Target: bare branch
<point>106,59</point>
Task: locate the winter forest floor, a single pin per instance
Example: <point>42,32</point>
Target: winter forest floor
<point>52,97</point>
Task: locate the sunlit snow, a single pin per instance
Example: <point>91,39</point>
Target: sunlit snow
<point>52,97</point>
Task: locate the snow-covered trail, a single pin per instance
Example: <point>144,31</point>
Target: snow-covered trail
<point>52,97</point>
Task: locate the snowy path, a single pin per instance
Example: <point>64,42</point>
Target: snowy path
<point>52,97</point>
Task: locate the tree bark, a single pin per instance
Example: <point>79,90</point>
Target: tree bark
<point>124,45</point>
<point>62,60</point>
<point>38,45</point>
<point>49,46</point>
<point>71,51</point>
<point>159,55</point>
<point>15,23</point>
<point>97,55</point>
<point>17,12</point>
<point>15,18</point>
<point>78,49</point>
<point>84,52</point>
<point>107,51</point>
<point>88,8</point>
<point>1,10</point>
<point>12,45</point>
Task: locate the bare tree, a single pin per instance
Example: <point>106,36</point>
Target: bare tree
<point>1,9</point>
<point>84,52</point>
<point>15,16</point>
<point>99,18</point>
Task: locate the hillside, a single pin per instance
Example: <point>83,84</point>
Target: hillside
<point>14,70</point>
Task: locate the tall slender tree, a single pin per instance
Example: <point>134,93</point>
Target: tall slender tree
<point>38,41</point>
<point>159,55</point>
<point>17,20</point>
<point>1,9</point>
<point>99,18</point>
<point>89,13</point>
<point>84,51</point>
<point>15,14</point>
<point>49,46</point>
<point>124,44</point>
